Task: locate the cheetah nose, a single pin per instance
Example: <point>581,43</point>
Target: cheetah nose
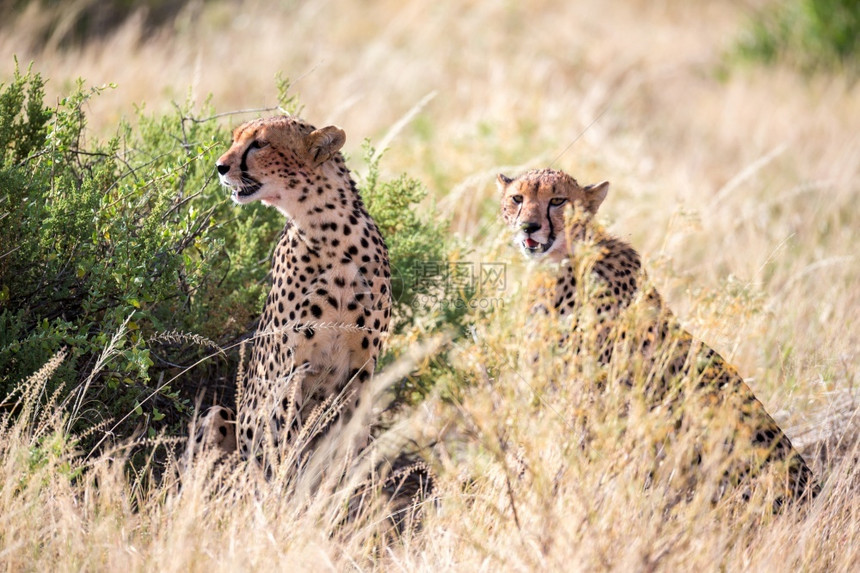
<point>530,227</point>
<point>222,168</point>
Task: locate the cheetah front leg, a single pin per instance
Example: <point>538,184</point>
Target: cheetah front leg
<point>269,414</point>
<point>216,429</point>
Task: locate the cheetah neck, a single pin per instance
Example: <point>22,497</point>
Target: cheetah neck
<point>606,261</point>
<point>322,207</point>
<point>302,192</point>
<point>331,248</point>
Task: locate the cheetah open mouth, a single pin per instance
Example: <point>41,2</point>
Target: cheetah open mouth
<point>533,247</point>
<point>248,189</point>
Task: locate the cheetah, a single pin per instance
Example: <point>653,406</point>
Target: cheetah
<point>327,313</point>
<point>604,273</point>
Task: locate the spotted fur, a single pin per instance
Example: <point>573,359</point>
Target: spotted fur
<point>217,428</point>
<point>327,313</point>
<point>618,292</point>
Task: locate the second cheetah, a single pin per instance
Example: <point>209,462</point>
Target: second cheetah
<point>605,273</point>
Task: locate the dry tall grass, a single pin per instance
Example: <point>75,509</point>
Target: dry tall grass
<point>739,190</point>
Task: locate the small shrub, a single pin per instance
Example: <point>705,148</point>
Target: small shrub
<point>428,298</point>
<point>129,231</point>
<point>413,240</point>
<point>810,34</point>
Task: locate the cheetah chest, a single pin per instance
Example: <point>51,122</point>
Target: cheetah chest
<point>322,325</point>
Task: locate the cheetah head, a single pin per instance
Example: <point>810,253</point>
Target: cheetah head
<point>533,207</point>
<point>274,159</point>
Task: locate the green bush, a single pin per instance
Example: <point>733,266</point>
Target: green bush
<point>135,236</point>
<point>422,255</point>
<point>129,231</point>
<point>810,34</point>
<point>413,240</point>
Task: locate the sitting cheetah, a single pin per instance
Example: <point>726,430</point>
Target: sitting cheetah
<point>604,272</point>
<point>328,310</point>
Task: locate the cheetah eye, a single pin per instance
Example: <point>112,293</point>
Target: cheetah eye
<point>257,144</point>
<point>517,199</point>
<point>556,201</point>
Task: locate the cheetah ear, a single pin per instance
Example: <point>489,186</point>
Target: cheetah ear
<point>595,194</point>
<point>503,181</point>
<point>323,143</point>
